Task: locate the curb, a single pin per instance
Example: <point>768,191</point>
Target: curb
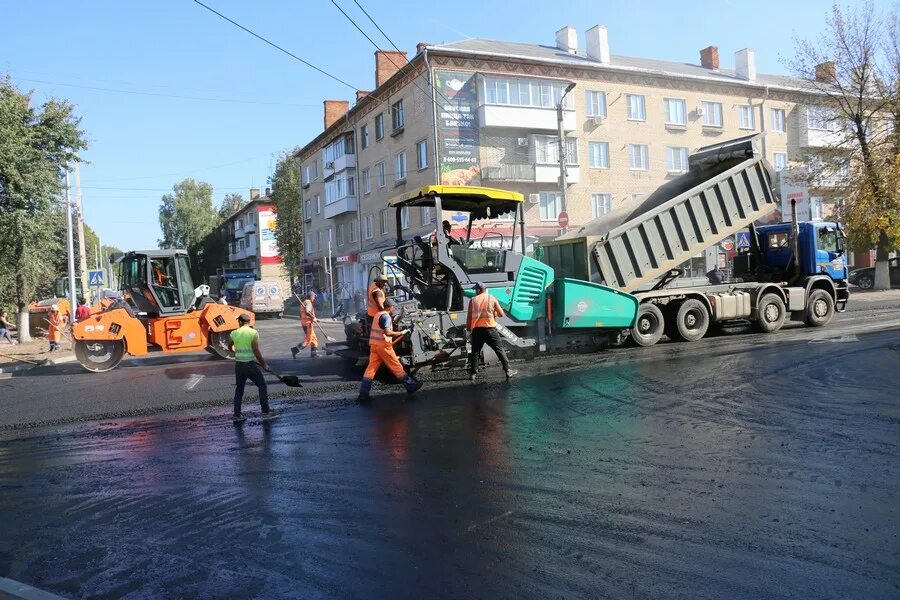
<point>15,589</point>
<point>26,367</point>
<point>15,368</point>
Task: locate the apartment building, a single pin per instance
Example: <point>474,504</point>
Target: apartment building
<point>484,112</point>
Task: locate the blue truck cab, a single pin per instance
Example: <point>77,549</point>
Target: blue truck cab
<point>231,284</point>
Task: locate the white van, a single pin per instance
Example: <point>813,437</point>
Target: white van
<point>263,298</point>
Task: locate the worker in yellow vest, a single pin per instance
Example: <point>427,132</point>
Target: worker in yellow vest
<point>245,344</point>
<point>484,309</point>
<point>308,322</point>
<point>381,352</point>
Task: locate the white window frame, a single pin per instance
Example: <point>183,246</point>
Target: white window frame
<point>307,209</point>
<point>307,244</point>
<point>642,152</point>
<point>712,114</point>
<point>315,169</point>
<point>775,160</point>
<point>369,227</point>
<point>744,111</point>
<point>595,101</point>
<point>815,208</point>
<point>601,204</point>
<point>367,181</point>
<point>404,218</point>
<point>354,227</point>
<point>820,118</point>
<point>318,204</point>
<point>546,150</point>
<point>397,118</point>
<point>379,127</point>
<point>364,136</point>
<point>511,91</point>
<point>602,156</point>
<point>546,198</point>
<point>669,104</point>
<point>380,178</point>
<point>777,124</point>
<point>400,166</point>
<point>339,235</point>
<point>306,173</point>
<point>642,105</point>
<point>426,215</point>
<point>422,154</point>
<point>385,222</point>
<point>676,159</point>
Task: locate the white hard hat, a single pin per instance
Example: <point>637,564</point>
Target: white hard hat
<point>54,308</point>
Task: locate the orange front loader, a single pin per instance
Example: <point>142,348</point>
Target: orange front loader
<point>161,312</point>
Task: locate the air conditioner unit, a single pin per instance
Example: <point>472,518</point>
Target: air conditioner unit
<point>522,141</point>
<point>700,111</point>
<point>597,120</point>
<point>534,198</point>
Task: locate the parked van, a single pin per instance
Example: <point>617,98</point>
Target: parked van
<point>263,298</point>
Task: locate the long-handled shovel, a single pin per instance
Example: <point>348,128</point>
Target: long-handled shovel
<point>31,362</point>
<point>288,380</point>
<point>316,323</point>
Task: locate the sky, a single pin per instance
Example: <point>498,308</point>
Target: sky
<point>168,90</point>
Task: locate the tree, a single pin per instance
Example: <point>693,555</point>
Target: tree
<point>230,205</point>
<point>854,68</point>
<point>186,216</point>
<point>285,194</point>
<point>36,145</point>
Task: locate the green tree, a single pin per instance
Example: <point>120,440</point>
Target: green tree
<point>187,215</point>
<point>853,68</point>
<point>36,145</point>
<point>285,195</point>
<point>230,205</point>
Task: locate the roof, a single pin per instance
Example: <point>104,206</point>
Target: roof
<point>479,202</point>
<point>245,208</point>
<point>157,253</point>
<point>617,63</point>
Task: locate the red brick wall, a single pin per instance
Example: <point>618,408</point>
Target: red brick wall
<point>387,62</point>
<point>334,110</point>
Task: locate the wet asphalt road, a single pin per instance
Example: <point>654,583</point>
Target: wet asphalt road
<point>738,467</point>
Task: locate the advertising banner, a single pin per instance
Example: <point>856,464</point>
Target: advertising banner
<point>268,247</point>
<point>457,127</point>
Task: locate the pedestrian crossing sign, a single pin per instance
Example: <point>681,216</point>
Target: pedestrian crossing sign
<point>743,239</point>
<point>95,278</point>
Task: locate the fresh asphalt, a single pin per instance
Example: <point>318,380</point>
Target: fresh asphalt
<point>741,466</point>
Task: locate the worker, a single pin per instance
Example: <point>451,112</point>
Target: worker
<point>716,276</point>
<point>245,344</point>
<point>83,311</point>
<point>5,327</point>
<point>159,276</point>
<point>381,352</point>
<point>308,322</point>
<point>376,295</point>
<point>481,322</point>
<point>54,330</point>
<point>447,228</point>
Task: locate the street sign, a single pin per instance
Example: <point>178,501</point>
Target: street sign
<point>728,245</point>
<point>563,219</point>
<point>95,278</point>
<point>743,239</point>
<point>459,217</point>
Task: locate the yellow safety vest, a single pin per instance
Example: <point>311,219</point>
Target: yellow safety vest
<point>243,343</point>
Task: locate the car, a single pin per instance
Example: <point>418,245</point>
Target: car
<point>864,279</point>
<point>263,298</point>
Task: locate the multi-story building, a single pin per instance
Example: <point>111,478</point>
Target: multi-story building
<point>488,113</point>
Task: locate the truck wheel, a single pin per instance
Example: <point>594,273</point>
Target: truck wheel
<point>99,356</point>
<point>691,321</point>
<point>770,313</point>
<point>649,326</point>
<point>819,308</point>
<point>218,343</point>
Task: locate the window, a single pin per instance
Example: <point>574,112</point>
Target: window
<point>546,149</point>
<point>778,240</point>
<point>364,136</point>
<point>307,244</point>
<point>780,161</point>
<point>379,126</point>
<point>600,204</point>
<point>598,155</point>
<point>819,117</point>
<point>827,240</point>
<point>677,160</point>
<point>400,167</point>
<point>551,206</point>
<point>385,222</point>
<point>637,110</point>
<point>745,117</point>
<point>712,114</point>
<point>319,244</point>
<point>404,217</point>
<point>676,111</point>
<point>306,175</point>
<point>525,92</point>
<point>368,230</point>
<point>337,149</point>
<point>367,182</point>
<point>422,154</point>
<point>339,187</point>
<point>777,115</point>
<point>318,203</point>
<point>815,208</point>
<point>596,103</point>
<point>815,162</point>
<point>316,170</point>
<point>397,115</point>
<point>426,215</point>
<point>340,234</point>
<point>354,227</point>
<point>637,157</point>
<point>379,174</point>
<point>307,209</point>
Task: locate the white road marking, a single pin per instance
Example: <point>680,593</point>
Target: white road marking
<point>193,381</point>
<point>489,521</point>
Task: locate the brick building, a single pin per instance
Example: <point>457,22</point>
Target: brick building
<point>492,120</point>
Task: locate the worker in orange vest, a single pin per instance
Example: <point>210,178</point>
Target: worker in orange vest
<point>376,295</point>
<point>381,352</point>
<point>55,324</point>
<point>308,321</point>
<point>484,309</point>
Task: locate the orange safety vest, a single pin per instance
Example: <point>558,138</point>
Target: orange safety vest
<point>56,322</point>
<point>482,309</point>
<point>309,312</point>
<point>376,335</point>
<point>373,306</point>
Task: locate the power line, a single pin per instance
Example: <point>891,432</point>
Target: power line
<point>276,46</point>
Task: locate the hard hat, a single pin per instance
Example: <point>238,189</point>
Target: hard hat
<point>380,277</point>
<point>54,308</point>
<point>244,318</point>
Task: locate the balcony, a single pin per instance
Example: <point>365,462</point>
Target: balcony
<point>529,173</point>
<point>344,205</point>
<point>524,117</point>
<point>347,161</point>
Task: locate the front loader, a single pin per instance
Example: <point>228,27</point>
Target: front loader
<point>161,311</point>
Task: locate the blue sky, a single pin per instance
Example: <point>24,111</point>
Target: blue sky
<point>160,56</point>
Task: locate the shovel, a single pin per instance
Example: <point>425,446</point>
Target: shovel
<point>31,362</point>
<point>288,380</point>
<point>316,323</point>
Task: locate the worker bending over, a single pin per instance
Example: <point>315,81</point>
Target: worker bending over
<point>481,322</point>
<point>308,322</point>
<point>381,352</point>
<point>245,344</point>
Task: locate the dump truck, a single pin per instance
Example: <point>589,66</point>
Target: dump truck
<point>160,311</point>
<point>611,280</point>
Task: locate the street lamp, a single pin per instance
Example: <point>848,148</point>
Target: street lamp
<point>563,183</point>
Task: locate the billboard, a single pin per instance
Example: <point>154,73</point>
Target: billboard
<point>794,185</point>
<point>268,246</point>
<point>457,127</point>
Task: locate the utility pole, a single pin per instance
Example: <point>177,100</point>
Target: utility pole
<point>82,253</point>
<point>70,234</point>
<point>330,271</point>
<point>563,176</point>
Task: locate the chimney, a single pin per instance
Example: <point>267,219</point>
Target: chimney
<point>334,110</point>
<point>254,193</point>
<point>597,41</point>
<point>360,95</point>
<point>745,64</point>
<point>826,72</point>
<point>420,47</point>
<point>709,58</point>
<point>567,39</point>
<point>268,192</point>
<point>387,62</point>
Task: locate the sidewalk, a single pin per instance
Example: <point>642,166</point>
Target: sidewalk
<point>26,355</point>
<point>890,298</point>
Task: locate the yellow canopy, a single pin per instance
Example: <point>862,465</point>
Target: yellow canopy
<point>479,202</point>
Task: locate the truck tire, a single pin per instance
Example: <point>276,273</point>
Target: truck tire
<point>649,325</point>
<point>819,308</point>
<point>770,313</point>
<point>691,320</point>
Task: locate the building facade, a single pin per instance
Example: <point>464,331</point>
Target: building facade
<point>250,235</point>
<point>485,112</point>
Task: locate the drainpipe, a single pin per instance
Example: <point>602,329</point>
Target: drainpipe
<point>563,176</point>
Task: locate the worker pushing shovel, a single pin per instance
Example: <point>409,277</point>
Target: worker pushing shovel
<point>245,343</point>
